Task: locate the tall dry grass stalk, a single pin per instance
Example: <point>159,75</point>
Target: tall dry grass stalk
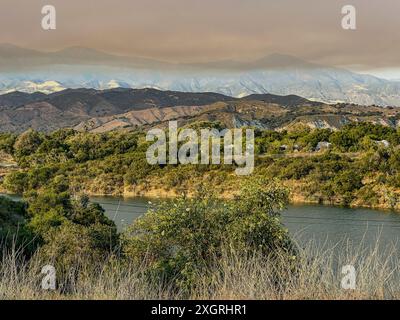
<point>315,273</point>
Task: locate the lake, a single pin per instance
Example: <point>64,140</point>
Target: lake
<point>323,224</point>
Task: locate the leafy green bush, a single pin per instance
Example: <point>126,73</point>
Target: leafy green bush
<point>13,228</point>
<point>7,141</point>
<point>16,182</point>
<point>296,169</point>
<point>345,183</point>
<point>181,238</point>
<point>352,136</point>
<point>27,143</point>
<point>70,245</point>
<point>313,137</point>
<point>53,207</point>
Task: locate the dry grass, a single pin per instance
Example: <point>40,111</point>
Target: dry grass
<point>318,276</point>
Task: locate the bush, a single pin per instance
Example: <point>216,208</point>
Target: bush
<point>181,238</point>
<point>296,168</point>
<point>16,182</point>
<point>347,181</point>
<point>70,232</point>
<point>51,209</point>
<point>71,246</point>
<point>27,143</point>
<point>7,141</point>
<point>13,229</point>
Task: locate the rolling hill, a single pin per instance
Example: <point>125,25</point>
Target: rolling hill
<point>116,109</point>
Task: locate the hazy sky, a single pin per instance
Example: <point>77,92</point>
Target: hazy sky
<point>204,30</point>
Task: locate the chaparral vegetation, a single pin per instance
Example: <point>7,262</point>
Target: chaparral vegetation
<point>219,244</point>
<point>358,165</point>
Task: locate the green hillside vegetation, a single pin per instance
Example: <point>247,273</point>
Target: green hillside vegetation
<point>219,228</point>
<point>356,170</point>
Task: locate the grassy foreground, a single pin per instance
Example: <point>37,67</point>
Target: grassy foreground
<point>318,276</point>
<point>186,248</point>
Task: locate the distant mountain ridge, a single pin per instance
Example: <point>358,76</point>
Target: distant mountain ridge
<point>17,58</point>
<point>121,99</point>
<point>115,109</point>
<point>31,70</point>
<point>20,111</point>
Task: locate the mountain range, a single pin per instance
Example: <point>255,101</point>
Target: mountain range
<point>32,71</point>
<point>126,109</point>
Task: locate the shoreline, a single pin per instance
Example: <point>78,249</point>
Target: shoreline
<point>294,198</point>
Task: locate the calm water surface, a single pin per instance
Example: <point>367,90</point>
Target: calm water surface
<point>323,224</point>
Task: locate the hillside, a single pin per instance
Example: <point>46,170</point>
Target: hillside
<point>21,111</point>
<point>107,110</point>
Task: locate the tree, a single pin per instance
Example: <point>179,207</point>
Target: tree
<point>7,141</point>
<point>27,143</point>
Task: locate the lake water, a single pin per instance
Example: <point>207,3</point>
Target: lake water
<point>323,224</point>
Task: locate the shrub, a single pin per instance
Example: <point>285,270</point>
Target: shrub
<point>71,246</point>
<point>7,141</point>
<point>296,169</point>
<point>50,209</point>
<point>13,229</point>
<point>16,182</point>
<point>180,239</point>
<point>345,183</point>
<point>368,195</point>
<point>27,143</point>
